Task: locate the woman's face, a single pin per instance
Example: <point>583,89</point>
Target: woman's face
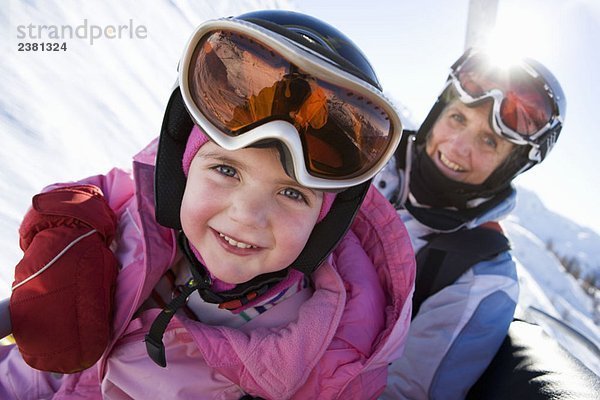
<point>243,214</point>
<point>463,145</point>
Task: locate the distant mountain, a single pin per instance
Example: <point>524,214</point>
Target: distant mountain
<point>555,259</point>
<point>553,299</point>
<point>576,244</point>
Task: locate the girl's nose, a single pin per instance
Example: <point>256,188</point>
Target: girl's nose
<point>250,208</point>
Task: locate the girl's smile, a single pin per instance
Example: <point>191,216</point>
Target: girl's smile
<point>243,214</point>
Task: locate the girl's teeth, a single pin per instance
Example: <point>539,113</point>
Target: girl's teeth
<point>235,243</point>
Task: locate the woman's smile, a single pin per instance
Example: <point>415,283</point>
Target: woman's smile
<point>450,164</point>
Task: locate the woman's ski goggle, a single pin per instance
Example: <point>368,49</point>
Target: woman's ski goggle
<point>243,84</point>
<point>524,105</point>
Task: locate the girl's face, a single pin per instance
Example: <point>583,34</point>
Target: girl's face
<point>463,145</point>
<point>243,214</point>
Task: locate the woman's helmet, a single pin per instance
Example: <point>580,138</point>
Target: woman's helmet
<point>528,109</point>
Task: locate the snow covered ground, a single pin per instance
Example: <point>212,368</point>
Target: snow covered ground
<point>545,285</point>
<point>75,113</point>
<point>70,114</point>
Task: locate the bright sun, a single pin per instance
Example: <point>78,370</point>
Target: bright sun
<point>519,31</point>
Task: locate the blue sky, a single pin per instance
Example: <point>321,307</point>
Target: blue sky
<point>412,45</point>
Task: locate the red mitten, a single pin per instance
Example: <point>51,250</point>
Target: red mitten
<point>62,298</point>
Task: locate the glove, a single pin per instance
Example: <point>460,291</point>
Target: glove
<point>62,298</point>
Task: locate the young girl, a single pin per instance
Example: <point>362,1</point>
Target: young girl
<point>254,258</point>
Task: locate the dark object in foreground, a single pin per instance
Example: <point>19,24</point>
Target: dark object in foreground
<point>531,365</point>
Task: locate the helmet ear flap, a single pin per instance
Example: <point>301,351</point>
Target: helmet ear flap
<point>169,179</point>
<point>177,122</point>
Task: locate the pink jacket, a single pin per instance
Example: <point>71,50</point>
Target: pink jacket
<point>335,342</point>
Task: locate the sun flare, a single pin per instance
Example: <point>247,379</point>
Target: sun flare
<point>519,31</point>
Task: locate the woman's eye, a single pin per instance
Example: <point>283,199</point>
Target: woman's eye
<point>490,141</point>
<point>293,194</point>
<point>458,117</point>
<point>226,170</point>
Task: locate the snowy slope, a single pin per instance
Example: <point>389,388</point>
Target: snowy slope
<point>68,115</point>
<point>544,283</point>
<point>546,287</point>
<point>71,114</point>
<point>566,237</point>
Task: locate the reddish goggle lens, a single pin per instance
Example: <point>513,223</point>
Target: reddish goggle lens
<point>238,83</point>
<point>527,105</point>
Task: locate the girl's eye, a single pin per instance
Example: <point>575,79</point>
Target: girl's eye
<point>293,194</point>
<point>226,170</point>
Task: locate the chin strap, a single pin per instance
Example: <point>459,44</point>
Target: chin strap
<point>154,344</point>
<point>231,299</point>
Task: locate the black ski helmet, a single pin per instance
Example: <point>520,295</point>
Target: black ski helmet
<point>305,31</point>
<point>170,180</point>
<point>523,157</point>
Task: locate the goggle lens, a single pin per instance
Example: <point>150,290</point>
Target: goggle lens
<point>238,83</point>
<point>527,105</point>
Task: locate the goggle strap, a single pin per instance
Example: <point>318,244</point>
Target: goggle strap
<point>461,60</point>
<point>536,154</point>
<point>547,144</point>
<point>329,232</point>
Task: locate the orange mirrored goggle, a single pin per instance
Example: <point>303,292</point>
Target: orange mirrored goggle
<point>243,84</point>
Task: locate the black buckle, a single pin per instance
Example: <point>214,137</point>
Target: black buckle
<point>156,350</point>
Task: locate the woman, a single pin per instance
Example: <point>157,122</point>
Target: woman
<point>489,124</point>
